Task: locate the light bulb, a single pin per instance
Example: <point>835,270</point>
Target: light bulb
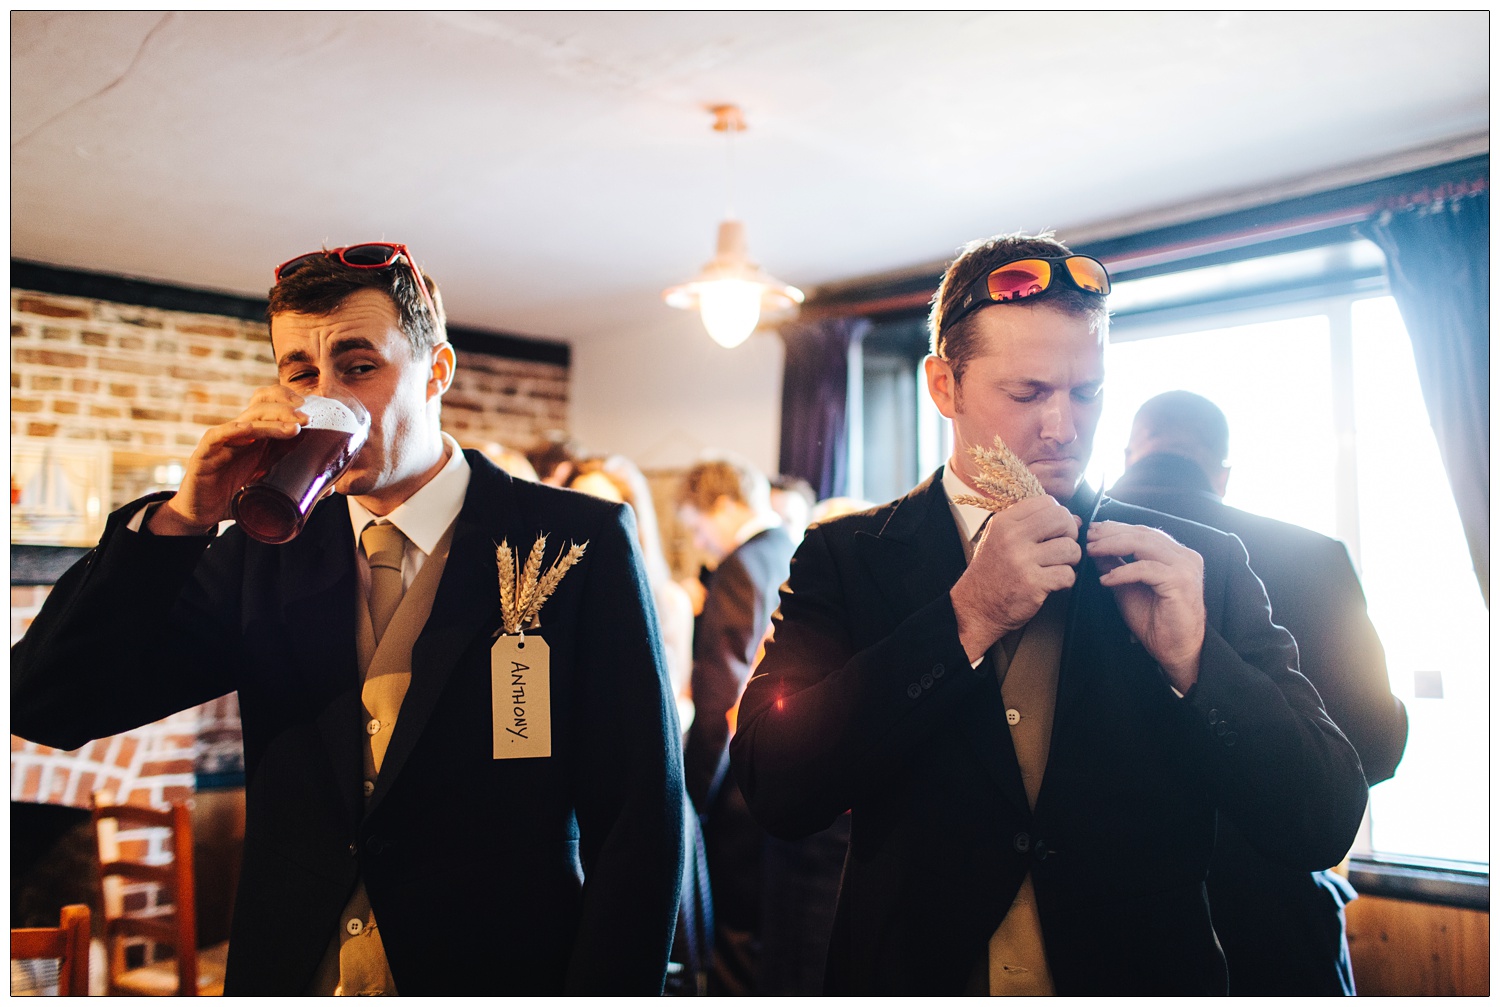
<point>730,310</point>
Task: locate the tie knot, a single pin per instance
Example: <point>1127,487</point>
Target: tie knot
<point>384,545</point>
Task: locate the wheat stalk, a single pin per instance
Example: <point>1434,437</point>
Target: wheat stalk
<point>525,607</point>
<point>509,616</point>
<point>1003,478</point>
<point>554,576</point>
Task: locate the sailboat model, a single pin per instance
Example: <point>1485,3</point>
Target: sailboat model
<point>48,501</point>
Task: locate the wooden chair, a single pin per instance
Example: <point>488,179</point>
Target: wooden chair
<point>173,925</point>
<point>68,943</point>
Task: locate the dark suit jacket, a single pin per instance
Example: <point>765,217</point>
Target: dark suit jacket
<point>487,876</point>
<point>736,614</point>
<point>1282,930</point>
<point>866,700</point>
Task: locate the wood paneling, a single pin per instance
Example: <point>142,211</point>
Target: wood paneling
<point>1414,949</point>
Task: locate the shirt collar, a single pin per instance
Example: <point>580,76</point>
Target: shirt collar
<point>424,516</point>
<point>753,527</point>
<point>970,517</point>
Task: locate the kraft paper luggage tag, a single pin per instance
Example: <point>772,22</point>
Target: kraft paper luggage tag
<point>521,697</point>
<point>520,666</point>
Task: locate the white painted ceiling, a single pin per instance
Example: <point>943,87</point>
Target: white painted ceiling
<point>554,171</point>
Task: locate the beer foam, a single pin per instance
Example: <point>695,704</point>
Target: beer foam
<point>331,414</point>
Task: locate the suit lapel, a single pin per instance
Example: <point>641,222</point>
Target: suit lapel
<point>467,606</point>
<point>1088,600</point>
<point>916,557</point>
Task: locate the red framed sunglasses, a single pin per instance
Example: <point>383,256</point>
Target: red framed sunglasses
<point>1030,277</point>
<point>370,255</point>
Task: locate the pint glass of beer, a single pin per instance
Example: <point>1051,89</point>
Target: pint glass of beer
<point>294,474</point>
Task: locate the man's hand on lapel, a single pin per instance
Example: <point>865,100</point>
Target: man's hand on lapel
<point>1026,552</point>
<point>1158,585</point>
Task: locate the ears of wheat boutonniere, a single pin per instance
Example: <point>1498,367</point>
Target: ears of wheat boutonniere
<point>524,589</point>
<point>1002,478</point>
<point>521,667</point>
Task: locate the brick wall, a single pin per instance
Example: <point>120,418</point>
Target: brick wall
<point>517,403</point>
<point>142,383</point>
<point>148,380</point>
<point>134,378</point>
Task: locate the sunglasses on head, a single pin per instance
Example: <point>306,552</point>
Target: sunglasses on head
<point>1023,278</point>
<point>370,255</point>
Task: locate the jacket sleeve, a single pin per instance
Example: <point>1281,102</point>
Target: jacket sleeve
<point>824,719</point>
<point>1280,768</point>
<point>136,630</point>
<point>724,647</point>
<point>627,778</point>
<point>1341,654</point>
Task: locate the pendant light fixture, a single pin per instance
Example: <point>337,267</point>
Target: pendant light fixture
<point>732,294</point>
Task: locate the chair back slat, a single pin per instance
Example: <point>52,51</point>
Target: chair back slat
<point>161,929</point>
<point>177,929</point>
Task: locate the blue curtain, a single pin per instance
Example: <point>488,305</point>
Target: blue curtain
<point>815,402</point>
<point>1438,260</point>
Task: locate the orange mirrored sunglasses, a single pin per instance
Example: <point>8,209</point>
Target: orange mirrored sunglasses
<point>1022,278</point>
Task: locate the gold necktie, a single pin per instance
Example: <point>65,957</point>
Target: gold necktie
<point>384,546</point>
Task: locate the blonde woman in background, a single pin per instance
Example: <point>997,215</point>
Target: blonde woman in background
<point>509,459</point>
<point>615,477</point>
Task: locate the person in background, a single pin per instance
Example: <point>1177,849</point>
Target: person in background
<point>395,841</point>
<point>554,463</point>
<point>792,498</point>
<point>833,507</point>
<point>616,478</point>
<point>726,503</point>
<point>1282,929</point>
<point>507,459</point>
<point>1036,708</point>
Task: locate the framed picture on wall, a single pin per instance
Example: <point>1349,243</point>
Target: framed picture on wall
<point>59,493</point>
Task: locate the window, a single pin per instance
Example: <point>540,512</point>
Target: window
<point>1328,430</point>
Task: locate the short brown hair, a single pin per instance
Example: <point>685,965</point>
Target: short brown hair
<point>725,476</point>
<point>955,344</point>
<point>323,283</point>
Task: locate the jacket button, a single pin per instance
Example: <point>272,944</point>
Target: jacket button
<point>375,845</point>
<point>937,671</point>
<point>1039,850</point>
<point>926,681</point>
<point>1022,842</point>
<point>1221,728</point>
<point>1230,739</point>
<point>1213,716</point>
<point>914,690</point>
<point>353,849</point>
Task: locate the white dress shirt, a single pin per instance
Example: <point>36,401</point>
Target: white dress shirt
<point>968,517</point>
<point>422,517</point>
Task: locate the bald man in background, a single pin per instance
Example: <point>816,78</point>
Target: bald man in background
<point>1282,930</point>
